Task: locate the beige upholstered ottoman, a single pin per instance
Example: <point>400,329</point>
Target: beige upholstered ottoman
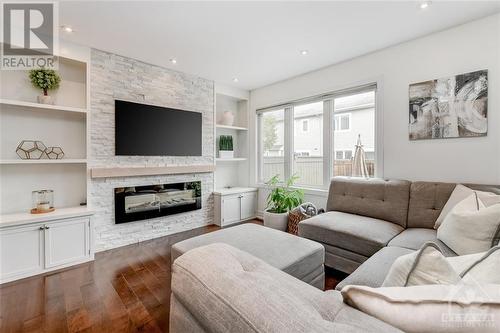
<point>299,257</point>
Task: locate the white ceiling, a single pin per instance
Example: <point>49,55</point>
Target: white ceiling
<point>257,42</point>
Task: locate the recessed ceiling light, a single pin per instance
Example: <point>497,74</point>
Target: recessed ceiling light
<point>173,61</point>
<point>235,80</point>
<point>67,28</point>
<point>425,4</point>
<point>304,52</point>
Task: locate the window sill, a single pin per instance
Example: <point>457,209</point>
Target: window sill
<point>320,192</point>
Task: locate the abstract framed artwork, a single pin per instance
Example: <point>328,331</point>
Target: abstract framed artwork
<point>452,107</point>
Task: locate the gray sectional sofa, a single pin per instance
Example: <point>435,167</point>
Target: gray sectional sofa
<point>218,288</point>
<point>370,223</point>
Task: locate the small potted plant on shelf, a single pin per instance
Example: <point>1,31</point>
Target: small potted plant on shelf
<point>280,201</point>
<point>226,146</point>
<point>45,79</point>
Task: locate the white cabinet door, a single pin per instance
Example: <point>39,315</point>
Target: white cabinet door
<point>231,209</point>
<point>67,242</point>
<point>248,202</point>
<point>21,252</point>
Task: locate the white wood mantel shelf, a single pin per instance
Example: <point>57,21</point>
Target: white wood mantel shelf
<point>150,170</point>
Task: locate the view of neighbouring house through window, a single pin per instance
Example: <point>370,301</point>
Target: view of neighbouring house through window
<point>273,144</point>
<point>308,144</point>
<point>353,117</point>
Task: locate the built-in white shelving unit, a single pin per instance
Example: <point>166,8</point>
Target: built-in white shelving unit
<point>64,124</point>
<point>232,172</point>
<point>38,243</point>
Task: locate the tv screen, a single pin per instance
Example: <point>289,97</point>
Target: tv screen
<point>149,130</point>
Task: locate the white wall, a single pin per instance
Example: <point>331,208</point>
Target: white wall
<point>466,48</point>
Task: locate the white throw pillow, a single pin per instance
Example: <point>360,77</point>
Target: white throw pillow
<point>429,266</point>
<point>461,308</point>
<point>460,193</point>
<point>485,270</point>
<point>462,263</point>
<point>425,266</point>
<point>470,227</point>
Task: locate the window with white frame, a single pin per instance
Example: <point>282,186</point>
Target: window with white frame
<point>318,137</point>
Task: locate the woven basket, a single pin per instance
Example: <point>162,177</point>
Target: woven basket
<point>294,218</point>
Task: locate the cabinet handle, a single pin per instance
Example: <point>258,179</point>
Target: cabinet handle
<point>47,228</point>
<point>42,228</point>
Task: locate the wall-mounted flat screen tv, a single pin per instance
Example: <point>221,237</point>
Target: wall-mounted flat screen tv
<point>148,130</point>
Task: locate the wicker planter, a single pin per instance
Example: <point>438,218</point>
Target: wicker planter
<point>294,219</point>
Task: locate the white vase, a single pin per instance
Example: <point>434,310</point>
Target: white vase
<point>276,221</point>
<point>226,154</point>
<point>45,99</point>
<point>228,118</point>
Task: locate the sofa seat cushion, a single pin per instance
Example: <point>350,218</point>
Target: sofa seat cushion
<point>294,255</point>
<point>228,290</point>
<point>414,238</point>
<point>356,233</point>
<point>373,271</point>
<point>342,260</point>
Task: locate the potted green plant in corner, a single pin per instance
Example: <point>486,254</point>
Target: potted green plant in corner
<point>45,79</point>
<point>226,147</point>
<point>280,201</point>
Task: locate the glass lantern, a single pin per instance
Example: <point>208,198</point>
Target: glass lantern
<point>43,201</point>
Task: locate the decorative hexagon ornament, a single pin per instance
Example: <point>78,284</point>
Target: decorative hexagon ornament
<point>54,153</point>
<point>30,149</point>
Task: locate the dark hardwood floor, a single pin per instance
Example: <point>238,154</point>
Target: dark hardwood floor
<point>124,290</point>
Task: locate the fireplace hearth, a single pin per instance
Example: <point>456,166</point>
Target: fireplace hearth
<point>136,203</point>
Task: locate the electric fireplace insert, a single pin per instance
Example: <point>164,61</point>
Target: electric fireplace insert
<point>146,202</point>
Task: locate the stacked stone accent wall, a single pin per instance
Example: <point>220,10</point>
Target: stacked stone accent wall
<point>117,77</point>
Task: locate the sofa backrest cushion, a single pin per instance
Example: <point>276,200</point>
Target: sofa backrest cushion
<point>377,198</point>
<point>427,199</point>
<point>485,188</point>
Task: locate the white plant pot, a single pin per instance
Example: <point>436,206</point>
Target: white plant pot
<point>45,99</point>
<point>228,118</point>
<point>226,154</point>
<point>276,221</point>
